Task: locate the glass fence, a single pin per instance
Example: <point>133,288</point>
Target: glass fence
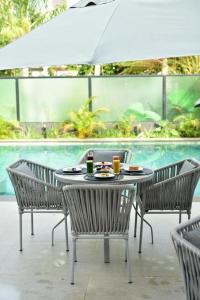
<point>8,99</point>
<point>181,94</point>
<point>47,100</point>
<point>43,99</point>
<point>120,95</point>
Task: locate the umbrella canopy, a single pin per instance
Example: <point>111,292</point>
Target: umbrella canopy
<point>111,31</point>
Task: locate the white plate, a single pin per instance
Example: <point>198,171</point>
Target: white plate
<point>103,163</point>
<point>104,175</point>
<point>71,169</point>
<point>138,170</point>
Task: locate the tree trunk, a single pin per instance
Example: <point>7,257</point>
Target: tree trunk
<point>25,72</point>
<point>97,70</point>
<point>164,67</point>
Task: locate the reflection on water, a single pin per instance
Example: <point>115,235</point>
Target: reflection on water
<point>152,155</point>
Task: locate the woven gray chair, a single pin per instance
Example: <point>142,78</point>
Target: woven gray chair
<point>99,212</point>
<point>106,155</point>
<point>37,191</point>
<point>170,191</point>
<point>186,239</point>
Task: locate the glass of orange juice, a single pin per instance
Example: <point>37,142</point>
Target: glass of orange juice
<point>116,164</point>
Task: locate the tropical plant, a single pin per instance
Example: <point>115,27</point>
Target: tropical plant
<point>138,113</point>
<point>185,65</point>
<point>164,129</point>
<point>125,125</point>
<point>85,122</point>
<point>181,102</point>
<point>59,131</point>
<point>8,129</point>
<point>28,133</point>
<point>188,125</point>
<point>113,133</point>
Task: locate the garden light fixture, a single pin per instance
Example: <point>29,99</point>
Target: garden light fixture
<point>197,103</point>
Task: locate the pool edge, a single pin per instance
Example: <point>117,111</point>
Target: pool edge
<point>99,140</point>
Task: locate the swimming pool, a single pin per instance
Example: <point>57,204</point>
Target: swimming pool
<point>152,155</point>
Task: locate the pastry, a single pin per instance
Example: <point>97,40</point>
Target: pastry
<point>134,168</point>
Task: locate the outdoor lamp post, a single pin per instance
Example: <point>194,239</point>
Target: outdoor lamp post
<point>44,131</point>
<point>197,103</point>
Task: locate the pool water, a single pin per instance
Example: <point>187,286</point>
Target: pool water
<point>152,155</point>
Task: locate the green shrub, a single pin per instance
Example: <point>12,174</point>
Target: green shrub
<point>8,129</point>
<point>85,122</point>
<point>28,133</point>
<point>188,125</point>
<point>165,129</point>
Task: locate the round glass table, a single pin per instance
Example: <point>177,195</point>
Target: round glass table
<point>131,178</point>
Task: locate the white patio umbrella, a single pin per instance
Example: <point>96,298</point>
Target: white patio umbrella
<point>113,31</point>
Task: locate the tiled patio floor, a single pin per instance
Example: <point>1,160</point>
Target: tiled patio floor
<point>43,272</point>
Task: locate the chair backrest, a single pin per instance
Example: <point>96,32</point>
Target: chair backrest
<point>107,154</point>
<point>189,258</point>
<point>99,209</point>
<point>171,190</point>
<point>34,186</point>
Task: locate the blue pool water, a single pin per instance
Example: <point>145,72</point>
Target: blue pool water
<point>152,155</point>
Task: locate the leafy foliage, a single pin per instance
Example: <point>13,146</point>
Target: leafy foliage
<point>138,112</point>
<point>27,133</point>
<point>185,65</point>
<point>165,129</point>
<point>125,125</point>
<point>85,122</point>
<point>8,129</point>
<point>188,125</point>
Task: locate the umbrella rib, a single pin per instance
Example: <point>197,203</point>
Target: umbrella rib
<point>110,18</point>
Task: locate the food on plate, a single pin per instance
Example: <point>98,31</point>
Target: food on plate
<point>104,175</point>
<point>104,169</point>
<point>134,168</point>
<point>103,163</point>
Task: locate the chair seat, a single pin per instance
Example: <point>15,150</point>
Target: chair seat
<point>193,237</point>
<point>44,202</point>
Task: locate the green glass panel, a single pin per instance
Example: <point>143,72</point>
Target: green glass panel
<point>50,99</point>
<point>143,95</point>
<point>7,99</point>
<point>181,94</point>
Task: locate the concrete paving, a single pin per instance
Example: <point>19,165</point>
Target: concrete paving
<point>43,271</point>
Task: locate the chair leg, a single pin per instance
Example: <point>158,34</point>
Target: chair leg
<point>66,234</point>
<point>180,216</point>
<point>128,263</point>
<point>32,225</point>
<point>20,231</point>
<point>73,259</point>
<point>141,232</point>
<point>189,215</point>
<point>52,232</point>
<point>126,249</point>
<point>136,215</point>
<point>106,245</point>
<point>75,256</point>
<point>150,229</point>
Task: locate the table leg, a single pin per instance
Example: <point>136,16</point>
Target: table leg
<point>106,250</point>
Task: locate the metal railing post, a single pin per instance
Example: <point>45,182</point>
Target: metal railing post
<point>90,91</point>
<point>17,99</point>
<point>164,99</point>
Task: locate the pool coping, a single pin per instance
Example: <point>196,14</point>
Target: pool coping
<point>98,140</point>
